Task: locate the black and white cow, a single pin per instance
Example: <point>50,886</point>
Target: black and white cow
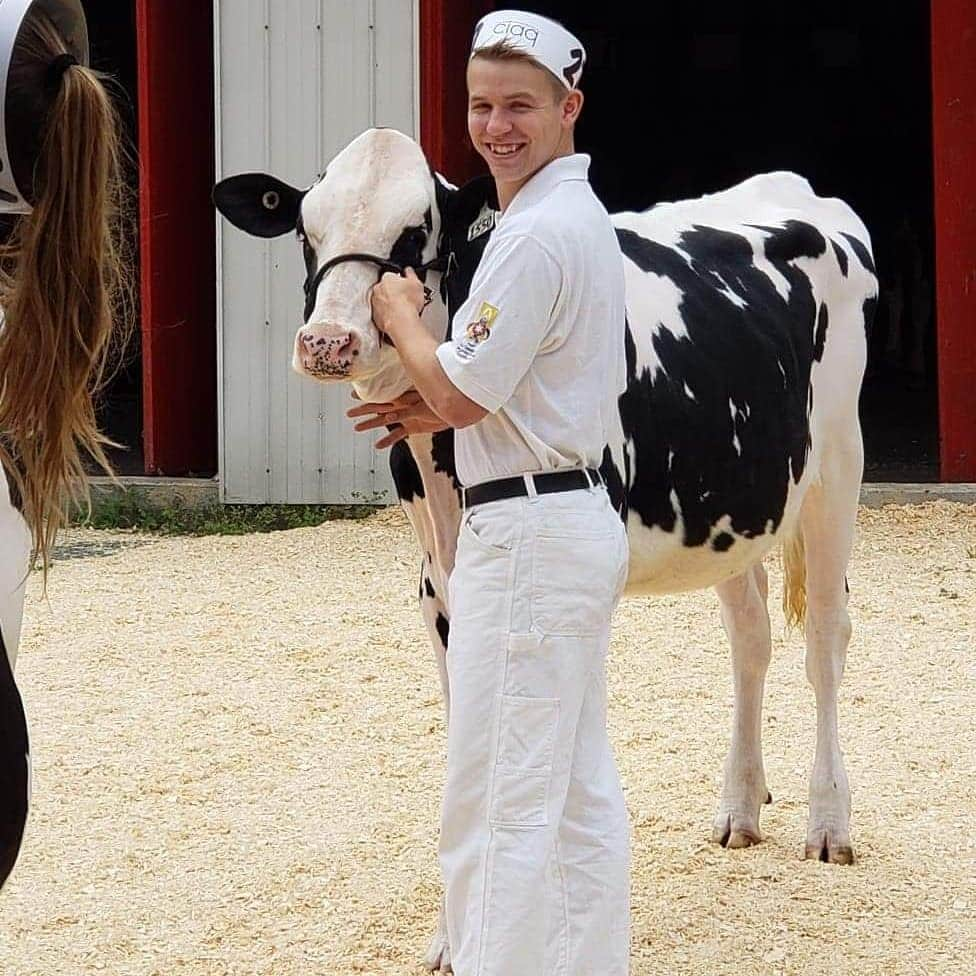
<point>738,431</point>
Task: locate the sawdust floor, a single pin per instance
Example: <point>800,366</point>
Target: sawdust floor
<point>238,758</point>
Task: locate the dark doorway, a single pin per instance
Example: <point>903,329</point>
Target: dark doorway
<point>112,37</point>
<point>692,98</point>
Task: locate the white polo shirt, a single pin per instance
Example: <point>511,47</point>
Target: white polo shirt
<point>540,341</point>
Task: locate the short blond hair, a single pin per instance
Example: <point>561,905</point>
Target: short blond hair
<point>506,50</point>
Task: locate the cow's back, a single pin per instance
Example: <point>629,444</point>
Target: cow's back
<point>746,313</point>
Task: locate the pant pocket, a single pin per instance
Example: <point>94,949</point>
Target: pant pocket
<point>523,764</point>
<point>574,583</point>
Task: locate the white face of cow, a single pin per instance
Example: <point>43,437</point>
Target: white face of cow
<point>377,197</point>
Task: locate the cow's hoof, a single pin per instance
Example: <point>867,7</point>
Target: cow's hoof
<point>734,831</point>
<point>822,847</point>
<point>438,958</point>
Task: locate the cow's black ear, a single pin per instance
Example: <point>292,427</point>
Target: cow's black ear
<point>259,204</point>
<point>459,208</point>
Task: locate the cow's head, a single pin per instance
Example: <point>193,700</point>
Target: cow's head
<point>378,197</point>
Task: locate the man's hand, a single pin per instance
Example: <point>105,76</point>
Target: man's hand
<point>395,297</point>
<point>409,413</point>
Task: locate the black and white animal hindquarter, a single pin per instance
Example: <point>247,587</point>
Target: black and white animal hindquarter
<point>745,350</point>
<point>746,346</point>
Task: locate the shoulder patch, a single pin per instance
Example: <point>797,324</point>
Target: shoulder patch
<point>478,331</point>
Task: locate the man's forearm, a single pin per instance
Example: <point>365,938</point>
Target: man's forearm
<point>418,353</point>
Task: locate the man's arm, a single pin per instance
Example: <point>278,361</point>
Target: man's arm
<point>396,303</point>
<point>407,414</point>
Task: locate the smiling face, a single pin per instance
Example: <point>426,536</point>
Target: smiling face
<point>520,118</point>
<point>377,197</point>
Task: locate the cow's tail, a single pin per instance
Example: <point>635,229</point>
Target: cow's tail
<point>795,580</point>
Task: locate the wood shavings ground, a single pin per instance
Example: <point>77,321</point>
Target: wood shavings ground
<point>238,757</point>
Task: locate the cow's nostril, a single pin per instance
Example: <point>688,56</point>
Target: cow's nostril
<point>331,352</point>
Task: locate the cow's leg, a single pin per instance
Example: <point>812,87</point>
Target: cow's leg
<point>827,520</point>
<point>746,621</point>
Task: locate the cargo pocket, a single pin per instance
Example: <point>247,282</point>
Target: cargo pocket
<point>523,765</point>
<point>574,583</point>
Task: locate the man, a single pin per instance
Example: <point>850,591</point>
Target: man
<point>534,838</point>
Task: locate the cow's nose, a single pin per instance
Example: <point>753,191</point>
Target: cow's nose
<point>327,351</point>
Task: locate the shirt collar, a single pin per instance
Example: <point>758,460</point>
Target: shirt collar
<point>560,170</point>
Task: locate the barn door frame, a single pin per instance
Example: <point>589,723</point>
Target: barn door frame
<point>954,152</point>
<point>445,41</point>
<point>175,51</point>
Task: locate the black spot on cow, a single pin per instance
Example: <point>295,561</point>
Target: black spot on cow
<point>758,356</point>
<point>442,452</point>
<point>407,250</point>
<point>443,628</point>
<point>615,486</point>
<point>863,255</point>
<point>429,587</point>
<point>406,475</point>
<point>723,542</point>
<point>14,771</point>
<point>869,308</point>
<point>820,339</point>
<point>841,257</point>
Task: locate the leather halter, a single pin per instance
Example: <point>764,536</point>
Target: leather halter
<point>441,263</point>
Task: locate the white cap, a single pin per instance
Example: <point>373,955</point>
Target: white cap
<point>546,41</point>
<point>69,18</point>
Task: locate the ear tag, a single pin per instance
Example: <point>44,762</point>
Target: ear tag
<point>270,200</point>
<point>483,223</point>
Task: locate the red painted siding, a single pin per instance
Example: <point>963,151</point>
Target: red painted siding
<point>954,133</point>
<point>177,236</point>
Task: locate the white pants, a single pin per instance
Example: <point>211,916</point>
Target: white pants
<point>535,842</point>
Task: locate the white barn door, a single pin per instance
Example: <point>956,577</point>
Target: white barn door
<point>296,81</point>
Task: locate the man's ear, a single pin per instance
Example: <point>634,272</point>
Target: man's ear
<point>572,107</point>
<point>259,204</point>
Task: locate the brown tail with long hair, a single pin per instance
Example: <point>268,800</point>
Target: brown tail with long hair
<point>63,279</point>
<point>795,580</point>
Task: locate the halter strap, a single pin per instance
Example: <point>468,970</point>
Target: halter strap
<point>441,263</point>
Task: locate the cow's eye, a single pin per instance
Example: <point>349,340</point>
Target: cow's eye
<point>408,250</point>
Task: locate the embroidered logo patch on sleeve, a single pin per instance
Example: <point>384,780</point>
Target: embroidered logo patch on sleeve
<point>477,332</point>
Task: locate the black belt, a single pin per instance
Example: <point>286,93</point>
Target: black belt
<point>545,484</point>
